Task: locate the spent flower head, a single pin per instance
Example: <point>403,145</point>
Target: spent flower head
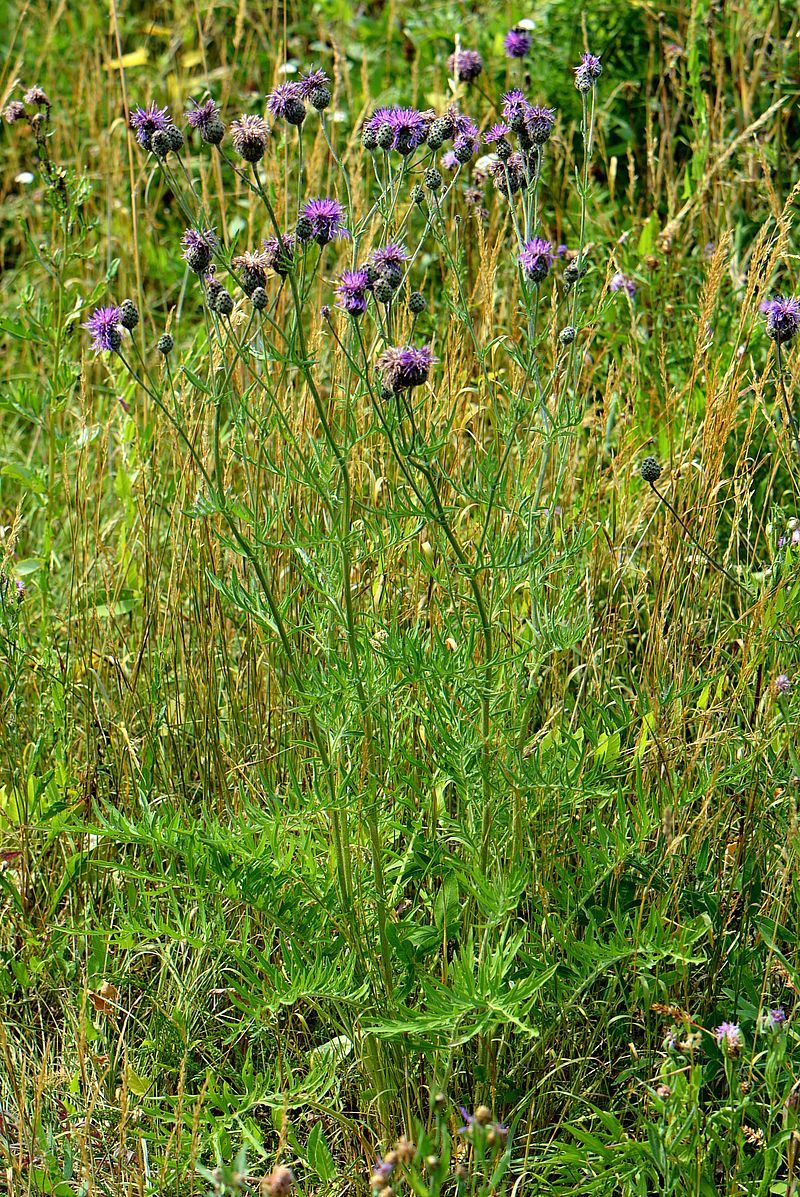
<point>249,136</point>
<point>465,65</point>
<point>404,367</point>
<point>14,111</point>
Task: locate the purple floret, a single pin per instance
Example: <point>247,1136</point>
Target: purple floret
<point>327,219</point>
<point>588,72</point>
<point>281,98</point>
<point>352,289</point>
<point>392,254</point>
<point>729,1037</point>
<point>536,258</point>
<point>147,121</point>
<point>202,116</point>
<point>783,318</point>
<point>496,133</point>
<point>404,367</point>
<point>449,160</point>
<point>409,127</point>
<point>776,1018</point>
<point>105,326</point>
<point>311,81</point>
<point>621,282</point>
<point>15,111</point>
<point>465,65</point>
<point>517,43</point>
<point>539,123</point>
<point>515,105</point>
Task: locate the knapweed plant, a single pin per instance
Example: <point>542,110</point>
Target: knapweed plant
<point>398,605</point>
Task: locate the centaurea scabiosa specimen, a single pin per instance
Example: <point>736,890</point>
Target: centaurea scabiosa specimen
<point>536,257</point>
<point>286,102</point>
<point>517,43</point>
<point>105,326</point>
<point>147,121</point>
<point>249,136</point>
<point>404,367</point>
<point>206,119</point>
<point>353,288</point>
<point>326,218</point>
<point>198,248</point>
<point>783,324</point>
<point>465,65</point>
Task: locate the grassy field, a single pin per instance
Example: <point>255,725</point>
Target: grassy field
<point>398,748</point>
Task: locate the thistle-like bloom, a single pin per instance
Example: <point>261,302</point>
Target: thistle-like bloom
<point>36,97</point>
<point>327,219</point>
<point>515,106</point>
<point>404,367</point>
<point>280,254</point>
<point>517,43</point>
<point>253,265</point>
<point>496,133</point>
<point>352,289</point>
<point>198,246</point>
<point>510,176</point>
<point>309,82</point>
<point>536,258</point>
<point>783,683</point>
<point>249,137</point>
<point>147,121</point>
<point>408,127</point>
<point>621,282</point>
<point>206,119</point>
<point>729,1037</point>
<point>588,72</point>
<point>286,102</point>
<point>539,123</point>
<point>465,65</point>
<point>106,328</point>
<point>783,318</point>
<point>15,111</point>
<point>449,160</point>
<point>392,254</point>
<point>776,1018</point>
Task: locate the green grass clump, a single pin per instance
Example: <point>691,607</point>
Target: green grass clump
<point>371,751</point>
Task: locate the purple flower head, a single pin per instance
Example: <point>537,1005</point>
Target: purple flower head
<point>381,1170</point>
<point>469,1121</point>
<point>200,116</point>
<point>147,121</point>
<point>311,81</point>
<point>464,126</point>
<point>588,72</point>
<point>515,106</point>
<point>562,250</point>
<point>775,1018</point>
<point>249,136</point>
<point>282,99</point>
<point>352,289</point>
<point>36,97</point>
<point>253,266</point>
<point>465,65</point>
<point>621,282</point>
<point>536,258</point>
<point>449,160</point>
<point>496,133</point>
<point>729,1037</point>
<point>783,683</point>
<point>407,126</point>
<point>510,176</point>
<point>14,111</point>
<point>105,326</point>
<point>392,254</point>
<point>517,43</point>
<point>279,255</point>
<point>326,217</point>
<point>404,367</point>
<point>198,246</point>
<point>539,123</point>
<point>783,318</point>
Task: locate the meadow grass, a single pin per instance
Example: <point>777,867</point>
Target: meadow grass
<point>368,749</point>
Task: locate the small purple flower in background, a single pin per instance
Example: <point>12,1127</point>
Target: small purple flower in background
<point>286,102</point>
<point>206,119</point>
<point>15,111</point>
<point>783,683</point>
<point>449,160</point>
<point>783,318</point>
<point>536,258</point>
<point>20,585</point>
<point>147,121</point>
<point>311,81</point>
<point>621,282</point>
<point>539,123</point>
<point>249,136</point>
<point>198,246</point>
<point>352,289</point>
<point>404,367</point>
<point>496,133</point>
<point>106,328</point>
<point>775,1019</point>
<point>465,65</point>
<point>589,71</point>
<point>326,217</point>
<point>562,250</point>
<point>381,1171</point>
<point>517,43</point>
<point>729,1037</point>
